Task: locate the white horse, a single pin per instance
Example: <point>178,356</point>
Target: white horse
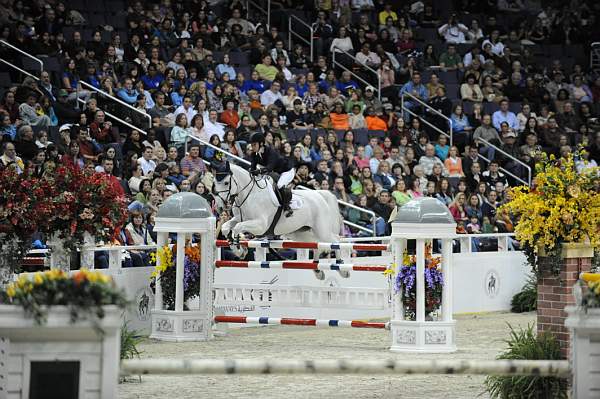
<point>318,219</point>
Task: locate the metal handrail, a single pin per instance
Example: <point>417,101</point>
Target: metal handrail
<point>25,54</point>
<point>291,32</point>
<point>359,227</point>
<point>206,143</point>
<point>425,121</point>
<point>363,210</point>
<point>267,12</point>
<point>19,69</point>
<point>121,121</point>
<point>436,112</point>
<point>430,109</point>
<point>528,182</point>
<point>115,98</point>
<point>353,74</point>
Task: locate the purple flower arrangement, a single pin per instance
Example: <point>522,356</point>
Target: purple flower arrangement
<point>406,282</point>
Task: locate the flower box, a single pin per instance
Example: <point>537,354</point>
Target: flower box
<point>571,250</point>
<point>74,354</point>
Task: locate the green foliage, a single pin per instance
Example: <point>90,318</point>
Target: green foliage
<point>526,300</point>
<point>129,341</point>
<point>526,344</point>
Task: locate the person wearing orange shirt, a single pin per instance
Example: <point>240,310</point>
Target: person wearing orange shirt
<point>374,122</point>
<point>340,120</point>
<point>230,116</point>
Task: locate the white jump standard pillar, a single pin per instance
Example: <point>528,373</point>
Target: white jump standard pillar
<point>423,220</point>
<point>185,214</point>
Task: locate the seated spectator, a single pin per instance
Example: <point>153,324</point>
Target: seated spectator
<point>88,148</point>
<point>383,208</point>
<point>339,118</point>
<point>230,116</point>
<point>127,93</point>
<point>461,128</point>
<point>443,191</point>
<point>383,176</point>
<point>416,89</point>
<point>102,130</point>
<point>212,126</point>
<point>73,158</point>
<point>457,209</point>
<point>453,31</point>
<point>551,135</point>
<point>179,133</point>
<point>400,193</point>
<point>192,166</point>
<point>269,97</point>
<point>356,119</point>
<point>442,148</point>
<point>511,148</point>
<point>225,67</point>
<point>138,234</point>
<point>266,70</point>
<point>493,175</point>
<point>254,83</point>
<point>9,158</point>
<point>451,60</point>
<point>579,91</point>
<point>29,115</point>
<point>148,165</point>
<point>470,91</point>
<point>488,207</point>
<point>504,115</point>
<point>428,160</point>
<point>453,165</point>
<point>374,122</point>
<point>345,85</point>
<point>488,133</point>
<point>474,177</point>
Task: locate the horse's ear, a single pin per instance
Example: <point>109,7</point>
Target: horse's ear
<point>227,167</point>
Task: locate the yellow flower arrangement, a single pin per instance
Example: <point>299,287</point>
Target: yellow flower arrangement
<point>562,206</point>
<point>85,292</point>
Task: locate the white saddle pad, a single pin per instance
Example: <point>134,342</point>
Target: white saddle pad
<point>295,203</point>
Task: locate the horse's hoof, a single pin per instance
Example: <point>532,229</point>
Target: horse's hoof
<point>344,273</point>
<point>319,274</point>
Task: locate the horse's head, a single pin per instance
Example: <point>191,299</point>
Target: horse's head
<point>224,187</point>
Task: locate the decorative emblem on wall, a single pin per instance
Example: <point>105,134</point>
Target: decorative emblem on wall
<point>193,325</point>
<point>164,325</point>
<point>492,283</point>
<point>435,337</point>
<point>406,337</point>
<point>144,299</point>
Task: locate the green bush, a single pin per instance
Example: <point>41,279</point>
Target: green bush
<point>526,300</point>
<point>129,341</point>
<point>526,344</point>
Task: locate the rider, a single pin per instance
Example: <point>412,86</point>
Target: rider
<point>275,165</point>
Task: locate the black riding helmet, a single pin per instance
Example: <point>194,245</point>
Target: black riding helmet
<point>257,137</point>
<point>221,169</point>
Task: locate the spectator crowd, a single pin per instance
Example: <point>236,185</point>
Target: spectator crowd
<point>447,101</point>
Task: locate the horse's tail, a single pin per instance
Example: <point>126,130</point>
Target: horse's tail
<point>332,204</point>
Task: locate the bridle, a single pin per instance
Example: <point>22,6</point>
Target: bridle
<point>230,200</point>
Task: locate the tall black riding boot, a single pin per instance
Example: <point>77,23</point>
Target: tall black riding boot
<point>286,197</point>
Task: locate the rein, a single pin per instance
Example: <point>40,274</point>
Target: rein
<point>231,199</point>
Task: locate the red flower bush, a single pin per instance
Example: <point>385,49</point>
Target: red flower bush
<point>65,201</point>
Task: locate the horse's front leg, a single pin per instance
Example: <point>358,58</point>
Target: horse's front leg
<point>229,225</point>
<point>256,227</point>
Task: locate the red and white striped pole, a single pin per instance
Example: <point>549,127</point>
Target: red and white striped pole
<point>300,322</point>
<point>299,265</point>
